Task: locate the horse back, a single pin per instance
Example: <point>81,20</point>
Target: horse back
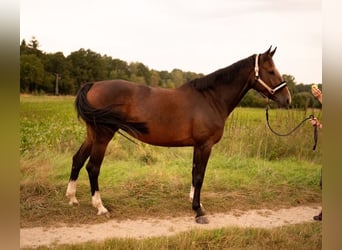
<point>173,117</point>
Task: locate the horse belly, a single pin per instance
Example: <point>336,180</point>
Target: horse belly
<point>168,117</point>
<point>167,134</point>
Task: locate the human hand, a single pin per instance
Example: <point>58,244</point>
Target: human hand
<point>316,122</point>
<point>317,93</point>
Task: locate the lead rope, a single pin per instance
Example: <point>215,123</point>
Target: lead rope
<point>125,136</point>
<point>295,128</point>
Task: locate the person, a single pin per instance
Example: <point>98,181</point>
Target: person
<point>317,93</point>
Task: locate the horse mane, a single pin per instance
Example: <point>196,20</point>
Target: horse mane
<point>221,76</point>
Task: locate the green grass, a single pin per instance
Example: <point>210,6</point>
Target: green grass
<point>131,189</point>
<point>249,168</point>
<point>50,124</point>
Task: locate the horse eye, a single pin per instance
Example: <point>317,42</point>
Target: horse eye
<point>271,72</point>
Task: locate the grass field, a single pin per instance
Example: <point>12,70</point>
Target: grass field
<point>249,168</point>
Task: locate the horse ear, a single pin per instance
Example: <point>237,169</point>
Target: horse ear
<point>268,51</point>
<point>272,52</point>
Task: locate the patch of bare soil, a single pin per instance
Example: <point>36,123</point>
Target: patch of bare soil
<point>261,218</point>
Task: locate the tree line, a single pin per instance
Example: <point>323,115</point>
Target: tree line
<point>53,73</point>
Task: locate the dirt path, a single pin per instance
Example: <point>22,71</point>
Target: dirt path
<point>262,218</point>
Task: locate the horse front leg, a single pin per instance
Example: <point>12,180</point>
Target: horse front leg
<point>200,160</point>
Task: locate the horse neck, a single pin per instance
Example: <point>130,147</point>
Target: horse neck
<point>226,87</point>
<point>235,95</point>
<point>232,92</point>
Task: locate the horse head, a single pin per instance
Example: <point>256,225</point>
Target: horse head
<point>268,80</point>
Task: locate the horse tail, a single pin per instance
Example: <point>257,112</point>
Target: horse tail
<point>104,118</point>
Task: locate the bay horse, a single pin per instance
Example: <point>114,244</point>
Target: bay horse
<point>193,114</point>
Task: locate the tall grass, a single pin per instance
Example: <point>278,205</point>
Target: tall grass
<point>50,124</point>
<point>247,135</point>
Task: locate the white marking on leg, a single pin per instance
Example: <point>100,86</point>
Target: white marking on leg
<point>191,194</point>
<point>71,192</point>
<point>192,191</point>
<point>97,203</point>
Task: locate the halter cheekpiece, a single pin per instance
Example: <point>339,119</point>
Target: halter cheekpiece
<point>257,77</point>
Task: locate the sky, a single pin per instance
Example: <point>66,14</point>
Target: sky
<point>192,35</point>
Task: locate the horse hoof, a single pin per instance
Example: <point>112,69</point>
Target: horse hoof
<point>202,220</point>
<point>105,214</point>
<point>73,202</point>
<point>103,211</point>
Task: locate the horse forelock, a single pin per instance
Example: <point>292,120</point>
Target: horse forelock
<point>222,76</point>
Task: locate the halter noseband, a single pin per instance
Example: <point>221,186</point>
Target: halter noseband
<point>257,77</point>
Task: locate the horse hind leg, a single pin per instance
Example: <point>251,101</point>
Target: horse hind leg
<point>93,167</point>
<point>78,161</point>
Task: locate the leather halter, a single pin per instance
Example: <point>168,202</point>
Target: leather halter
<point>257,77</point>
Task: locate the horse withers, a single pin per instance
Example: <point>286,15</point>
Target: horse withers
<point>193,114</point>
